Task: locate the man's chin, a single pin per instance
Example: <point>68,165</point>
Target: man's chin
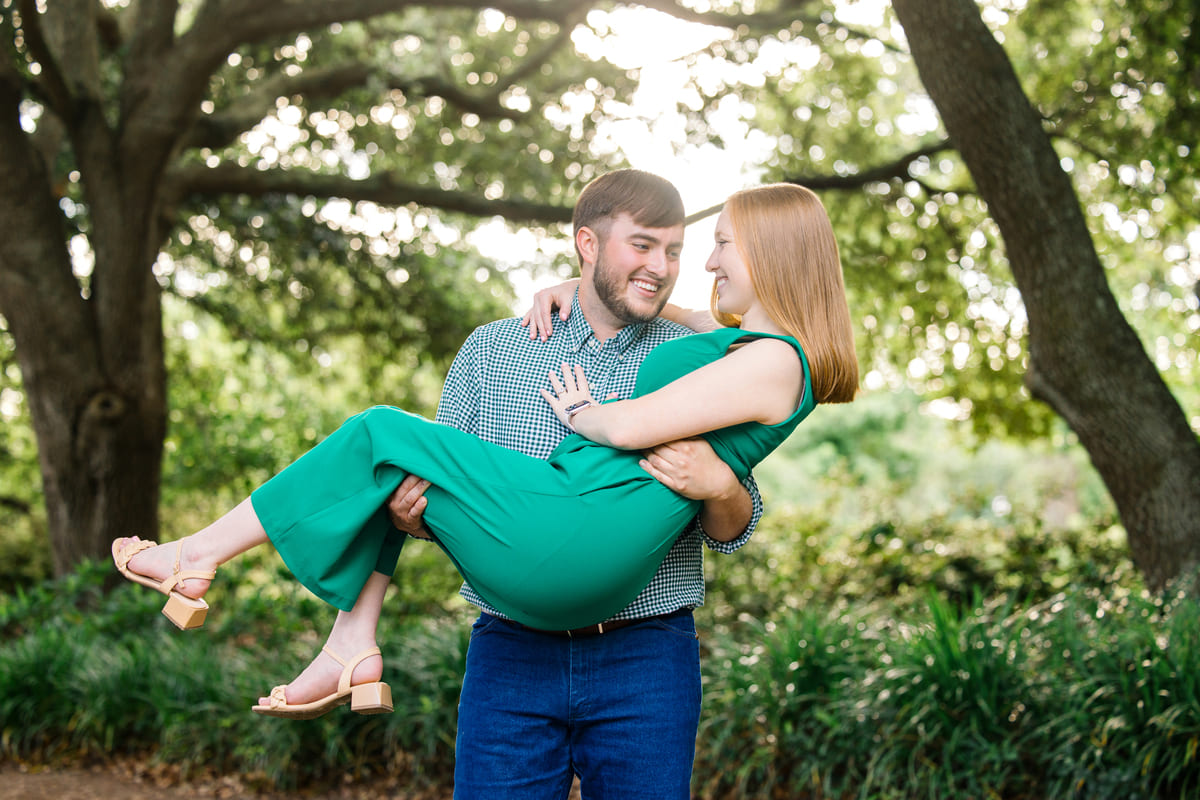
<point>643,312</point>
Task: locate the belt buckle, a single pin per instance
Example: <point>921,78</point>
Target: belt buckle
<point>599,626</point>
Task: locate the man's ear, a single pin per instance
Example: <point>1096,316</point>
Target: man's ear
<point>587,244</point>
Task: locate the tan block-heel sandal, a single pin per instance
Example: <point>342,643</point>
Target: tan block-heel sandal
<point>186,612</point>
<point>365,698</point>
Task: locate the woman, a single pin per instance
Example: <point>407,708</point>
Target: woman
<point>561,543</point>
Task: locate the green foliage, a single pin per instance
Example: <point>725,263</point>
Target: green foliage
<point>22,520</point>
<point>318,283</point>
<point>1088,695</point>
<point>240,411</point>
<point>876,501</point>
<point>90,675</point>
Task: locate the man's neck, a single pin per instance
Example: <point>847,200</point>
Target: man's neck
<point>604,323</point>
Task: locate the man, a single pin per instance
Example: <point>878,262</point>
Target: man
<point>617,703</point>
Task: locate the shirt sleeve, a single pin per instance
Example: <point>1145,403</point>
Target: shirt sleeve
<point>462,392</point>
<point>743,537</point>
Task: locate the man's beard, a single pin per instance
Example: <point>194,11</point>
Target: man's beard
<point>611,294</point>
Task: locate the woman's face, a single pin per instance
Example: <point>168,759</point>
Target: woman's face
<point>734,290</point>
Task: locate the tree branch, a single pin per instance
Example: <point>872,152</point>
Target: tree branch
<point>221,27</point>
<point>535,62</point>
<point>783,17</point>
<point>382,189</point>
<point>221,129</point>
<point>893,170</point>
<point>16,504</point>
<point>22,175</point>
<point>49,86</point>
<point>72,46</point>
<point>11,79</point>
<point>884,172</point>
<point>228,25</point>
<point>151,37</point>
<point>108,27</point>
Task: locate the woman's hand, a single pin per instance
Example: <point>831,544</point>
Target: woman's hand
<point>571,394</point>
<point>539,318</point>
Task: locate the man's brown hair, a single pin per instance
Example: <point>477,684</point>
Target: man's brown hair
<point>649,200</point>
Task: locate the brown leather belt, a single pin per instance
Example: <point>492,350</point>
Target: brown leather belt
<point>599,628</point>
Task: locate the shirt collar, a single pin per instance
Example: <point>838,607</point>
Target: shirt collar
<point>579,331</point>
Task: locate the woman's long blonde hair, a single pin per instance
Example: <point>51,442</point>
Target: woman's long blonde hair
<point>786,240</point>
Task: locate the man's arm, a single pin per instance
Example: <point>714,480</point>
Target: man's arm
<point>692,468</point>
<point>458,406</point>
<point>726,518</point>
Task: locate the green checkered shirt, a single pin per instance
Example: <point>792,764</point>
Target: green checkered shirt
<point>492,391</point>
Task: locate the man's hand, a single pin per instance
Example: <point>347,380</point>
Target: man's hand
<point>693,469</point>
<point>407,507</point>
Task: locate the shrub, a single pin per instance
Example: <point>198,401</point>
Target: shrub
<point>94,676</point>
<point>1088,695</point>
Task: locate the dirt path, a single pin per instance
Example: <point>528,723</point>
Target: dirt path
<point>94,784</point>
<point>122,783</point>
<point>125,782</point>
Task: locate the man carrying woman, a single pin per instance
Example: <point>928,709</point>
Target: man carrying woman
<point>570,542</point>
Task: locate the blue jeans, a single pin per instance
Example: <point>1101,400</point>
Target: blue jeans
<point>619,709</point>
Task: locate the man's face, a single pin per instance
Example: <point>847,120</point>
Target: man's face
<point>636,268</point>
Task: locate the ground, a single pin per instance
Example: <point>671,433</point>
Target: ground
<point>133,782</point>
<point>123,782</point>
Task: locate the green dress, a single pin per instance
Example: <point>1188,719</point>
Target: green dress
<point>553,544</point>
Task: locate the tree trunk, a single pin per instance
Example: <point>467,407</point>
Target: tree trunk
<point>1085,360</point>
<point>92,367</point>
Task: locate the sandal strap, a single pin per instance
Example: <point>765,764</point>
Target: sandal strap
<point>348,666</point>
<point>178,576</point>
<point>277,698</point>
<point>131,549</point>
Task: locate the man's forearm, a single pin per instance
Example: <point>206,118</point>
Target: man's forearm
<point>725,517</point>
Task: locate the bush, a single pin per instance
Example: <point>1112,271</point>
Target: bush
<point>84,675</point>
<point>1088,695</point>
<point>1092,693</point>
<point>799,557</point>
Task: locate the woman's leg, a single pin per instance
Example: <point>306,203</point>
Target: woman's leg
<point>231,535</point>
<point>353,631</point>
<point>238,531</point>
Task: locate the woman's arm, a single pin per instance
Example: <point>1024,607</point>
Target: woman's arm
<point>699,320</point>
<point>762,381</point>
